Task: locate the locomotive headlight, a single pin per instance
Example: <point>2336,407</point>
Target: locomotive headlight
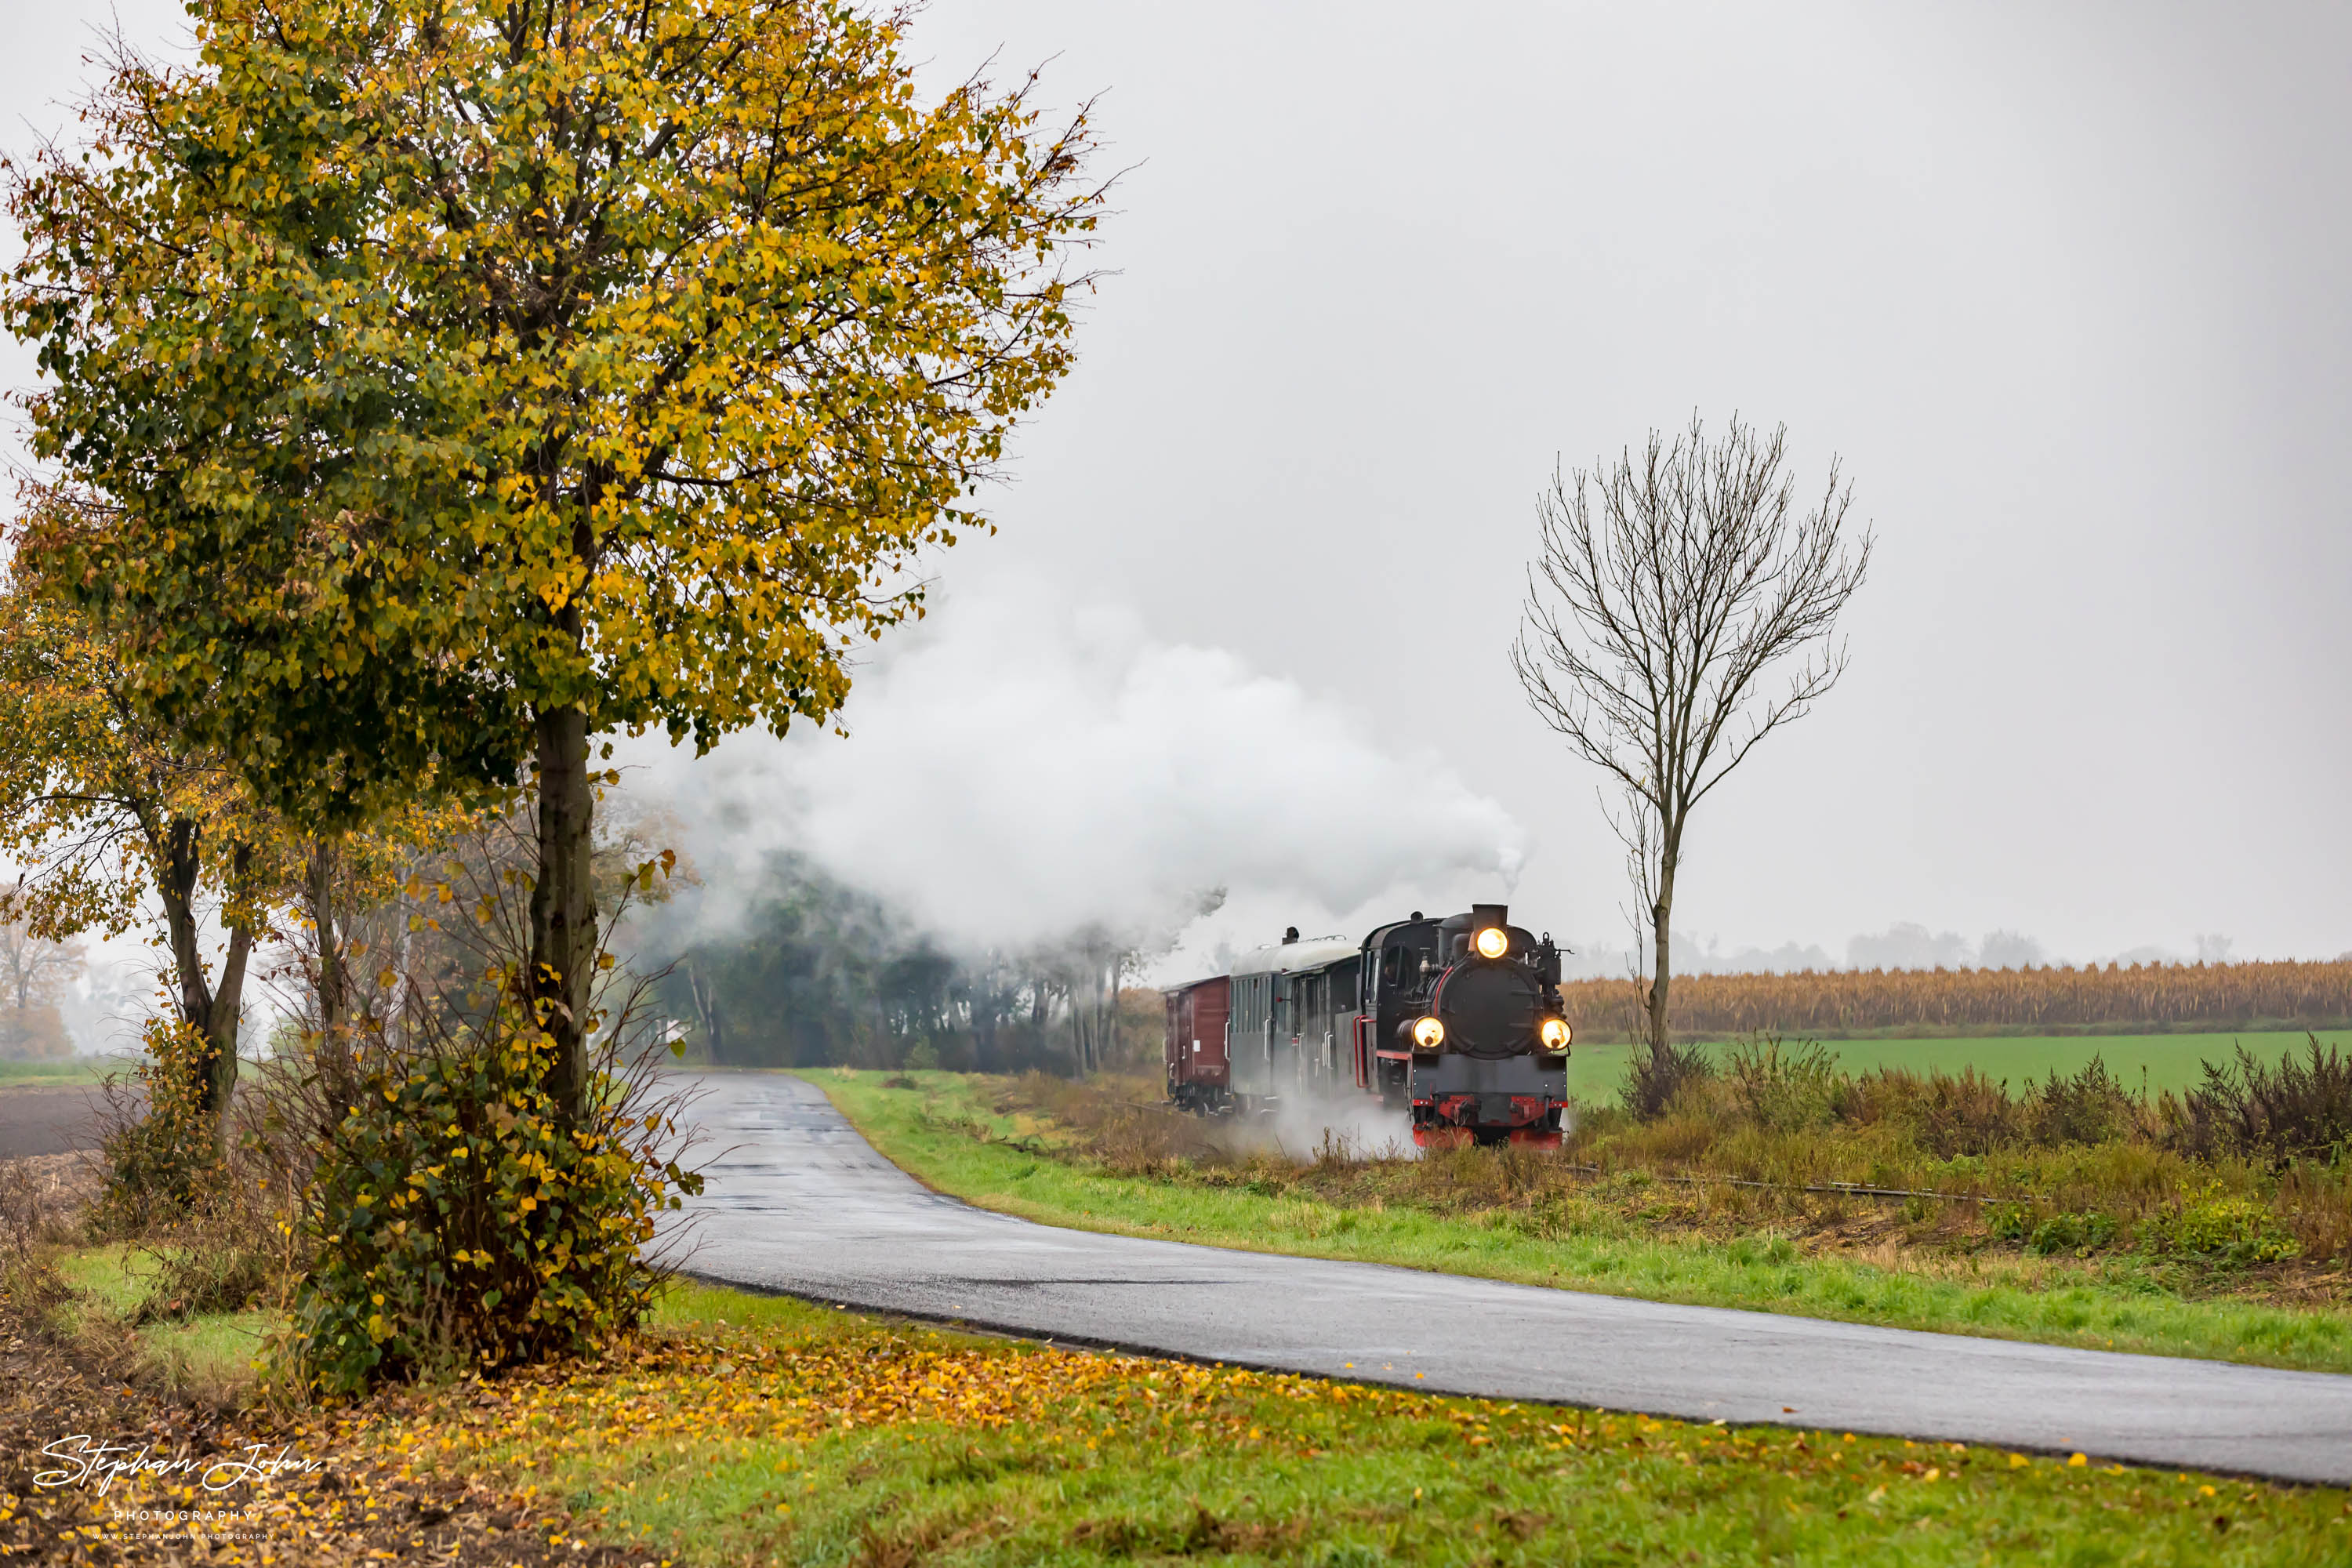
<point>1554,1034</point>
<point>1494,942</point>
<point>1428,1034</point>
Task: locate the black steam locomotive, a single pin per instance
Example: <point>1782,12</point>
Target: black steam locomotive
<point>1457,1020</point>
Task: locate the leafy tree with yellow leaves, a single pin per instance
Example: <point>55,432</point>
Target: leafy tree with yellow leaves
<point>102,809</point>
<point>470,378</point>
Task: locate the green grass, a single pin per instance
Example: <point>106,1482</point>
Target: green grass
<point>2168,1061</point>
<point>767,1431</point>
<point>63,1070</point>
<point>112,1277</point>
<point>756,1430</point>
<point>109,1282</point>
<point>933,1133</point>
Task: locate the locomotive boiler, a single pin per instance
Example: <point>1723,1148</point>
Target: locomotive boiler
<point>1456,1021</point>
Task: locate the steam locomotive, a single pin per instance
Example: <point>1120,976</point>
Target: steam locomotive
<point>1457,1020</point>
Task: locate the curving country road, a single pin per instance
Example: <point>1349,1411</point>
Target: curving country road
<point>799,1203</point>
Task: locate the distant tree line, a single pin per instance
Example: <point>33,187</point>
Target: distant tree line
<point>822,973</point>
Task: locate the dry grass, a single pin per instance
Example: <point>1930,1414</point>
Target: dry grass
<point>1937,1175</point>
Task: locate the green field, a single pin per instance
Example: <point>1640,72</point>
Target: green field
<point>63,1069</point>
<point>2168,1061</point>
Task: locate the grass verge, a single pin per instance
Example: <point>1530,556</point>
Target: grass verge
<point>1623,1240</point>
<point>741,1429</point>
<point>209,1355</point>
<point>750,1430</point>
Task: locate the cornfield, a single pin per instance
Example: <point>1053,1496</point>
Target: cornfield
<point>1849,1002</point>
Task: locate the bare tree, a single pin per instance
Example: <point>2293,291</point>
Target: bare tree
<point>1668,586</point>
<point>33,971</point>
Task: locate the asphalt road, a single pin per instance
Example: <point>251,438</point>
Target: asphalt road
<point>799,1203</point>
<point>49,1119</point>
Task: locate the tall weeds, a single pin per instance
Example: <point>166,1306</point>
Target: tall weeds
<point>2297,1109</point>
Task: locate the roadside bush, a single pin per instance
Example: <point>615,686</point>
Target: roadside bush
<point>2225,1232</point>
<point>2080,1234</point>
<point>157,1143</point>
<point>2296,1110</point>
<point>456,1217</point>
<point>1783,1087</point>
<point>1657,1077</point>
<point>2087,1107</point>
<point>229,1246</point>
<point>1947,1115</point>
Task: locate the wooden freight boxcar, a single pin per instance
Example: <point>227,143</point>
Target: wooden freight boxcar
<point>1199,1074</point>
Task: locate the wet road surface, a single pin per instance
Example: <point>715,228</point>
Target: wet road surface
<point>799,1203</point>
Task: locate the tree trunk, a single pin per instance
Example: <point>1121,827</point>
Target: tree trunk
<point>1660,938</point>
<point>334,1027</point>
<point>211,1014</point>
<point>984,1033</point>
<point>705,1012</point>
<point>563,903</point>
<point>221,1028</point>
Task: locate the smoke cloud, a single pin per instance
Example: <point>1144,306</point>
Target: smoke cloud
<point>1017,769</point>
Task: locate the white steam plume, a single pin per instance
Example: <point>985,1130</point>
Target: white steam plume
<point>1017,769</point>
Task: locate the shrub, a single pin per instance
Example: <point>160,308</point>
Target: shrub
<point>2080,1234</point>
<point>1658,1074</point>
<point>1786,1090</point>
<point>2089,1107</point>
<point>159,1146</point>
<point>456,1216</point>
<point>2226,1231</point>
<point>2297,1109</point>
<point>1947,1115</point>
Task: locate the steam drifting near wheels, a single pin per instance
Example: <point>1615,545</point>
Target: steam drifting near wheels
<point>1457,1020</point>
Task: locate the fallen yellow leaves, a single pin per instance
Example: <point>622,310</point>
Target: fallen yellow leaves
<point>714,1385</point>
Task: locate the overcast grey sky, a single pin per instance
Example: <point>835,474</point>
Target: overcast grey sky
<point>2063,284</point>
